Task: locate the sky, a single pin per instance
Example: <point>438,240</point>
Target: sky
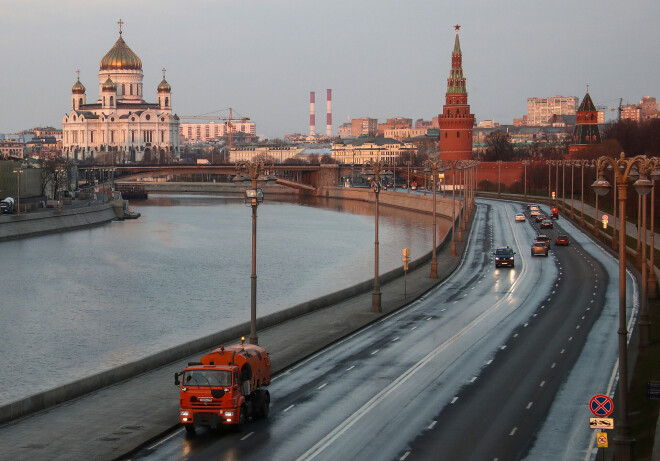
<point>381,58</point>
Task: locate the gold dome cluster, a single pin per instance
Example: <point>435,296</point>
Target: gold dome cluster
<point>121,57</point>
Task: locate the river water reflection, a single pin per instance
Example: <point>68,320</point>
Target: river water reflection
<point>80,302</point>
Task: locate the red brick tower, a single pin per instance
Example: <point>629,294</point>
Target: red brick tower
<point>456,121</point>
<point>586,132</point>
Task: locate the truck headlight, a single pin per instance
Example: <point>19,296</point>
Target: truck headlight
<point>229,414</point>
<point>184,413</point>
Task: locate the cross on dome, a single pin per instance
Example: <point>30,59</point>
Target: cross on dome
<point>121,23</point>
<point>163,69</point>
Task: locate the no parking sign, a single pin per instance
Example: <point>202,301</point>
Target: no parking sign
<point>601,405</point>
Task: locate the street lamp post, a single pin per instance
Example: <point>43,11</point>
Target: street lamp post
<point>525,163</point>
<point>58,171</point>
<point>582,164</point>
<point>557,183</point>
<point>652,281</point>
<point>18,172</point>
<point>408,187</point>
<point>622,167</point>
<point>432,166</point>
<point>253,197</point>
<point>549,163</point>
<point>373,176</point>
<point>499,181</point>
<point>572,188</point>
<point>563,188</point>
<point>452,164</point>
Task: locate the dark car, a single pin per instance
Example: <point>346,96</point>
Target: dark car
<point>547,224</point>
<point>561,240</point>
<point>540,218</point>
<point>539,249</point>
<point>543,238</point>
<point>504,257</point>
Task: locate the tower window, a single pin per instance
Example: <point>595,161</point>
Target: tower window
<point>458,134</point>
<point>112,100</point>
<point>130,88</point>
<point>167,102</point>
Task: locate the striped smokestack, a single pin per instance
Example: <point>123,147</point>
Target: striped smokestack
<point>328,126</point>
<point>312,121</point>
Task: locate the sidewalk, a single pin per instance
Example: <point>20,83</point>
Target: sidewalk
<point>116,420</point>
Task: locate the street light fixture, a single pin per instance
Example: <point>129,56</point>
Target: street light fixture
<point>652,282</point>
<point>373,176</point>
<point>622,168</point>
<point>499,181</point>
<point>253,197</point>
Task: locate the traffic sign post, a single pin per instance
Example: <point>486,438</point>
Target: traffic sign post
<point>605,218</point>
<point>601,423</point>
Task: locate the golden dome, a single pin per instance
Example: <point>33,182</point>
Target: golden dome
<point>109,85</point>
<point>164,86</point>
<point>78,88</point>
<point>121,57</point>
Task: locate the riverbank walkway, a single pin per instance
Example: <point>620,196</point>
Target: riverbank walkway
<point>112,422</point>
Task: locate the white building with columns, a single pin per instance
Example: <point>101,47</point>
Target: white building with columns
<point>121,126</point>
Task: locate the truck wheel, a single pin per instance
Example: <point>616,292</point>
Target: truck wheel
<point>190,429</point>
<point>242,419</point>
<point>265,407</point>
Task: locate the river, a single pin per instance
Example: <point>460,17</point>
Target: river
<point>80,302</point>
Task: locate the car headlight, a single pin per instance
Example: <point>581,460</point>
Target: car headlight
<point>184,413</point>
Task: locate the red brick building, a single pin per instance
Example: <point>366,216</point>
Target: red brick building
<point>586,132</point>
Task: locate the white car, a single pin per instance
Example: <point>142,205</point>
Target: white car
<point>520,217</point>
<point>534,210</point>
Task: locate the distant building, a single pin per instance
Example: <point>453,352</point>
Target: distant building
<point>361,150</point>
<point>276,154</point>
<point>212,131</point>
<point>456,121</point>
<point>364,127</point>
<point>121,124</point>
<point>393,124</point>
<point>586,132</point>
<point>541,110</point>
<point>344,130</point>
<point>11,149</point>
<point>647,109</point>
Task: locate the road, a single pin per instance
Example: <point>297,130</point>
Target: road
<point>477,369</point>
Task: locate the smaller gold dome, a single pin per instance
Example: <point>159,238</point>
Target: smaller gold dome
<point>109,85</point>
<point>78,88</point>
<point>164,86</point>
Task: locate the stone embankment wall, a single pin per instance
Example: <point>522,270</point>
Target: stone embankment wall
<point>13,226</point>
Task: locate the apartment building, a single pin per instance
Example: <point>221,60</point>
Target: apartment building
<point>540,110</point>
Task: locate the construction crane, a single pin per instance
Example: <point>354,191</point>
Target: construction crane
<point>228,122</point>
<point>619,107</point>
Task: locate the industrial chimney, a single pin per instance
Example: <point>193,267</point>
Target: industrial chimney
<point>328,126</point>
<point>312,121</point>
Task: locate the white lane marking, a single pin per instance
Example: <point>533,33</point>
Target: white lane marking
<point>454,400</point>
<point>322,386</point>
<point>405,455</point>
<point>395,339</point>
<point>513,431</point>
<point>246,436</point>
<point>516,335</point>
<point>165,439</point>
<point>474,378</point>
<point>489,362</point>
<point>529,405</point>
<point>350,368</point>
<point>288,408</point>
<point>431,426</point>
<point>413,328</point>
<point>375,352</point>
<point>554,364</point>
<point>542,384</point>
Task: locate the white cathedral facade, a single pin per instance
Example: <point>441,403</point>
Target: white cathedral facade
<point>120,126</point>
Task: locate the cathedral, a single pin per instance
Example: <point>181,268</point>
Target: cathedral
<point>121,126</point>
